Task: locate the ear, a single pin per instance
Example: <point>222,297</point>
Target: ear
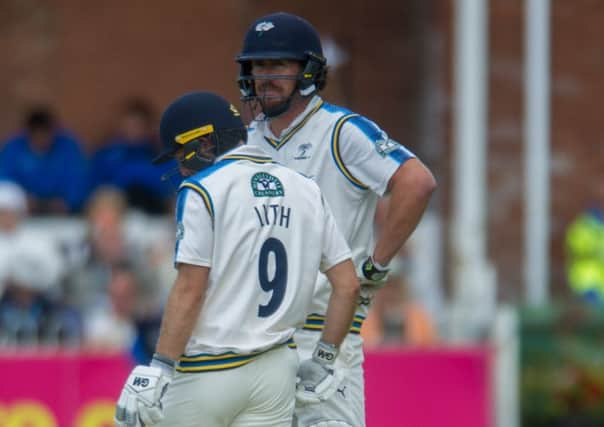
<point>206,147</point>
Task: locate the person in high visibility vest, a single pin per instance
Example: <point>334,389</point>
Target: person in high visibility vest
<point>585,252</point>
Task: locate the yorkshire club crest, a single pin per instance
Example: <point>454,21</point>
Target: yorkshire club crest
<point>266,185</point>
<point>263,27</point>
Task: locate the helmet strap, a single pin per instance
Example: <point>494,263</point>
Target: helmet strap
<point>313,68</point>
<point>308,90</point>
<point>193,159</point>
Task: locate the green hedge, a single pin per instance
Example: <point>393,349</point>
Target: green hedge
<point>562,366</point>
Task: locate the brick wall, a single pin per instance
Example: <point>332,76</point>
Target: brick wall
<point>84,58</point>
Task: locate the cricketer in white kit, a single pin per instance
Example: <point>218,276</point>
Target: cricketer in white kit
<point>251,236</point>
<point>353,161</point>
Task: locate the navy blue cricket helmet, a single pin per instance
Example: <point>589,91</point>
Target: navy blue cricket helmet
<point>282,35</point>
<point>199,118</point>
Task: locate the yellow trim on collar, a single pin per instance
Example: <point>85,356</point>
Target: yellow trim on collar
<point>279,143</point>
<point>254,159</point>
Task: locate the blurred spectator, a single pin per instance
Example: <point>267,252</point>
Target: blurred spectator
<point>122,320</point>
<point>48,163</point>
<point>124,161</point>
<point>30,312</point>
<point>31,268</point>
<point>585,250</point>
<point>14,238</point>
<point>110,325</point>
<point>109,242</point>
<point>106,246</point>
<point>13,209</point>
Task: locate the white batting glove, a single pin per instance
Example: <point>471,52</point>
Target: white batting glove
<point>316,378</point>
<point>140,401</point>
<point>372,275</point>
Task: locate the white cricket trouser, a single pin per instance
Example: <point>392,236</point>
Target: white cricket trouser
<point>346,407</point>
<point>259,394</point>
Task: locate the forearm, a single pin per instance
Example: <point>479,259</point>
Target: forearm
<point>339,317</point>
<point>398,227</point>
<point>179,319</point>
<point>180,316</point>
<point>410,193</point>
<point>342,303</point>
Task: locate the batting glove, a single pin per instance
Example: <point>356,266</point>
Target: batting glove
<point>316,379</point>
<point>372,274</point>
<point>140,401</point>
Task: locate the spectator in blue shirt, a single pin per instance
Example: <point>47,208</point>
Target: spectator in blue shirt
<point>48,163</point>
<point>124,161</point>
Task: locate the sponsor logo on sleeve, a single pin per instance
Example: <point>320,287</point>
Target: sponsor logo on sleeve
<point>386,146</point>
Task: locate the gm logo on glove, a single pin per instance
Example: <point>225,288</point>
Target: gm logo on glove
<point>329,356</point>
<point>140,382</point>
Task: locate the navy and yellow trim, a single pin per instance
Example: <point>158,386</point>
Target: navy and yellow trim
<point>316,322</point>
<point>255,159</point>
<point>180,211</point>
<point>335,151</point>
<point>277,144</point>
<point>220,362</point>
<point>205,196</point>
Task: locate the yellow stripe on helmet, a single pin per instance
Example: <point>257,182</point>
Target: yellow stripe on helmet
<point>190,135</point>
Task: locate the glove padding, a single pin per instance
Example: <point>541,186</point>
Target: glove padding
<point>140,403</point>
<point>317,380</point>
<point>372,275</point>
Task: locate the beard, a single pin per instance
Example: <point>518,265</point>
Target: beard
<point>273,100</point>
